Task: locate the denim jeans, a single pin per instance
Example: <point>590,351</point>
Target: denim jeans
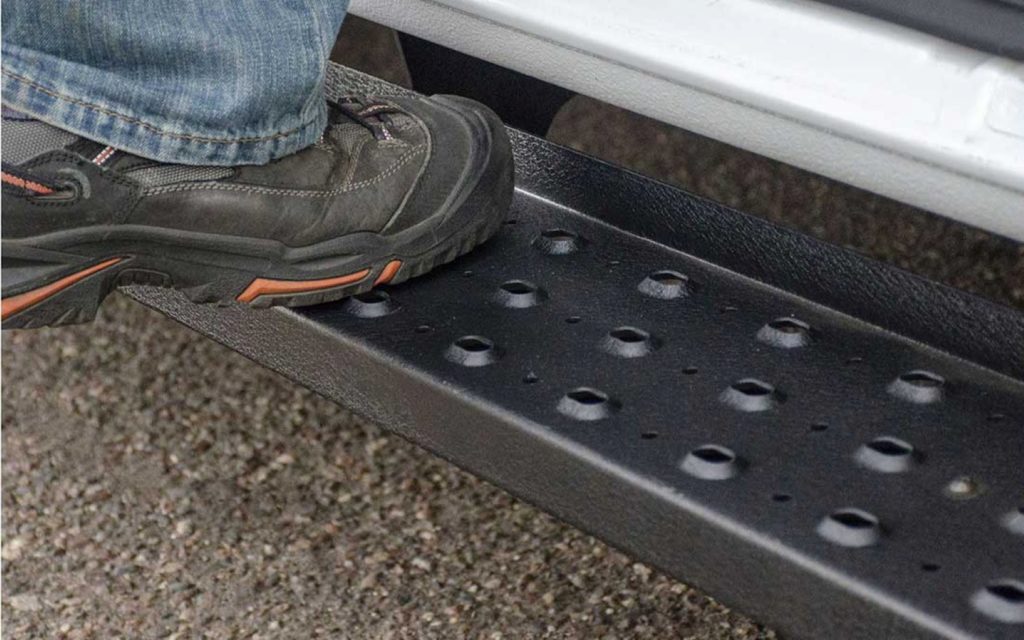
<point>215,82</point>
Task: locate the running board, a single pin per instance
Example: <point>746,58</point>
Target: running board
<point>829,444</point>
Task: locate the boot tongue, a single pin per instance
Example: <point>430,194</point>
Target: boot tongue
<point>24,137</point>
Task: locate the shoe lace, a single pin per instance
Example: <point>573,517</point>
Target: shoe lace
<point>372,115</point>
<point>27,183</point>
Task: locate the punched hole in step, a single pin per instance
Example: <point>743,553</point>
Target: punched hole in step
<point>714,455</point>
<point>890,447</point>
<point>474,344</point>
<point>921,379</point>
<point>629,335</point>
<point>590,397</point>
<point>518,287</point>
<point>752,388</point>
<point>853,520</point>
<point>372,296</point>
<point>788,325</point>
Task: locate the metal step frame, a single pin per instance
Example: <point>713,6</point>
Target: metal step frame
<point>827,443</point>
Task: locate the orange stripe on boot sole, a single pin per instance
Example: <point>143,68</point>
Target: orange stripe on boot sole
<point>267,287</point>
<point>13,304</point>
<point>388,273</point>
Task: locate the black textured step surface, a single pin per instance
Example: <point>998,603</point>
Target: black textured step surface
<point>831,445</point>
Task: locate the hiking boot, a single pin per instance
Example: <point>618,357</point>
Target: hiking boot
<point>394,187</point>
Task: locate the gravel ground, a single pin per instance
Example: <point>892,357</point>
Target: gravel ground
<point>156,485</point>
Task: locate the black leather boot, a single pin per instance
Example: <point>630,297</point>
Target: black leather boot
<point>395,187</point>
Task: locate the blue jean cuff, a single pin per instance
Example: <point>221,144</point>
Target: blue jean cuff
<point>150,138</point>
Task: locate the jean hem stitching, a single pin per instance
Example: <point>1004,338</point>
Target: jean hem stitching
<point>155,130</point>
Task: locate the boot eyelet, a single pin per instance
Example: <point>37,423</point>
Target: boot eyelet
<point>73,185</point>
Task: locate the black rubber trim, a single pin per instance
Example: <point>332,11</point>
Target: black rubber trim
<point>829,444</point>
<point>994,26</point>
